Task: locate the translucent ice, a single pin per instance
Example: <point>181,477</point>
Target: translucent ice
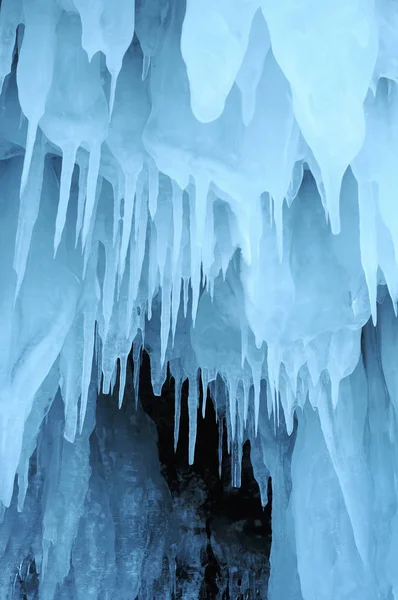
<point>215,183</point>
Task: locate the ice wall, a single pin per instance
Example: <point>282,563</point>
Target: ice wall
<point>214,182</point>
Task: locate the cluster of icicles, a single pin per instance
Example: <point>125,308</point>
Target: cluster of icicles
<point>185,181</point>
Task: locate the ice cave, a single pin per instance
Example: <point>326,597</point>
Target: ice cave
<point>198,299</point>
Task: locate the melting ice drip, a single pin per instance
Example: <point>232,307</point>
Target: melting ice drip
<point>217,183</point>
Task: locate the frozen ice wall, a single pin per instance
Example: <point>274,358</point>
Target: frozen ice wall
<point>215,182</point>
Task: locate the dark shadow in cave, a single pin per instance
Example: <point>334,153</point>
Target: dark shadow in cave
<point>233,516</point>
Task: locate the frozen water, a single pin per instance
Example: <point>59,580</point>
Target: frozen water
<point>216,183</point>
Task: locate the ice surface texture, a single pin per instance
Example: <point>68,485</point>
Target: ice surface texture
<point>215,181</point>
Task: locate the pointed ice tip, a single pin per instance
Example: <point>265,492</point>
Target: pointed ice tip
<point>335,224</point>
<point>146,63</point>
<point>121,395</point>
<point>30,142</point>
<point>56,245</point>
<point>112,94</point>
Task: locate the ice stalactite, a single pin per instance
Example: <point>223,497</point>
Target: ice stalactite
<point>215,186</point>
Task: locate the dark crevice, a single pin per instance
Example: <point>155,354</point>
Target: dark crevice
<point>233,519</point>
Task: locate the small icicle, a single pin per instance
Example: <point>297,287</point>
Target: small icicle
<point>220,445</point>
<point>277,411</point>
<point>205,382</point>
<point>278,219</point>
<point>81,200</point>
<point>201,197</point>
<point>211,288</point>
<point>122,378</point>
<point>177,410</point>
<point>244,343</point>
<point>68,165</point>
<point>334,389</point>
<point>177,222</point>
<point>88,250</point>
<point>256,370</point>
<point>153,188</point>
<point>109,285</point>
<point>196,253</point>
<point>113,379</point>
<point>175,305</point>
<point>185,289</point>
<point>129,201</point>
<point>92,179</point>
<point>236,464</point>
<point>246,392</point>
<point>195,287</point>
<point>137,366</point>
<point>88,351</point>
<point>112,93</point>
<point>146,63</point>
<point>193,417</point>
<point>98,356</point>
<point>28,213</point>
<point>332,186</point>
<point>117,201</point>
<point>165,316</point>
<point>30,142</point>
<point>232,406</point>
<point>368,242</point>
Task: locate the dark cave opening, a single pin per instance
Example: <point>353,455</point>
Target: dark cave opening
<point>233,517</point>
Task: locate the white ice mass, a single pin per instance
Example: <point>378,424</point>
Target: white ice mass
<point>216,182</point>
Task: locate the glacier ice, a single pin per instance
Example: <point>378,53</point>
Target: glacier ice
<point>212,183</point>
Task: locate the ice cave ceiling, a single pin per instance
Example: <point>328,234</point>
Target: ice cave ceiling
<point>198,299</point>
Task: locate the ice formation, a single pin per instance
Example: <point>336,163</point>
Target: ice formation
<point>213,182</point>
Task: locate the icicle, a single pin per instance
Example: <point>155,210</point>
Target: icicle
<point>89,316</point>
<point>232,405</point>
<point>236,464</point>
<point>112,93</point>
<point>177,409</point>
<point>185,291</point>
<point>368,241</point>
<point>175,304</point>
<point>256,370</point>
<point>220,445</point>
<point>122,378</point>
<point>28,213</point>
<point>11,16</point>
<point>88,249</point>
<point>81,200</point>
<point>38,47</point>
<point>332,185</point>
<point>177,222</point>
<point>165,314</point>
<point>68,165</point>
<point>201,197</point>
<point>92,178</point>
<point>153,188</point>
<point>246,392</point>
<point>113,379</point>
<point>278,219</point>
<point>205,382</point>
<point>109,285</point>
<point>129,201</point>
<point>193,417</point>
<point>146,63</point>
<point>98,355</point>
<point>30,142</point>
